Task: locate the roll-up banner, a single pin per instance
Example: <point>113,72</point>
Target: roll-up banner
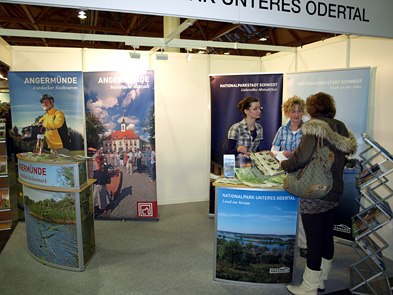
<point>120,127</point>
<point>226,92</point>
<point>26,90</point>
<point>350,90</point>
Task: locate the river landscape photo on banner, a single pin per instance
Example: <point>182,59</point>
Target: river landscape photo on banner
<point>256,235</point>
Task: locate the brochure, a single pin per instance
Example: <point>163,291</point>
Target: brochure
<point>384,205</point>
<point>280,157</point>
<point>370,248</point>
<point>266,163</point>
<point>368,220</point>
<point>229,165</point>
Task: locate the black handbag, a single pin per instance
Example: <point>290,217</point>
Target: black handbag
<point>315,180</point>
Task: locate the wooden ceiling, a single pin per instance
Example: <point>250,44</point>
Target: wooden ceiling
<point>65,20</point>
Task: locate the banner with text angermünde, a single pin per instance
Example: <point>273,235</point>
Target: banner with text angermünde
<point>120,127</point>
<point>26,89</point>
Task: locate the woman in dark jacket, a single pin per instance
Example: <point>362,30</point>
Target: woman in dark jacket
<point>318,214</point>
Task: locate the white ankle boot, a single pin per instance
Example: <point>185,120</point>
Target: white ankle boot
<point>326,265</point>
<point>310,284</point>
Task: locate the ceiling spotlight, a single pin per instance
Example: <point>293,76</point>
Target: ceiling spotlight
<point>82,14</point>
<point>227,52</point>
<point>188,55</point>
<point>134,54</point>
<point>263,39</point>
<point>162,56</point>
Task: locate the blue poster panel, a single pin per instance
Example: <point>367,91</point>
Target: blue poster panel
<point>226,92</point>
<point>120,130</point>
<point>255,235</point>
<point>349,88</point>
<point>26,91</point>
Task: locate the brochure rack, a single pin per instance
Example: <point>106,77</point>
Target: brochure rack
<point>5,206</point>
<point>367,276</point>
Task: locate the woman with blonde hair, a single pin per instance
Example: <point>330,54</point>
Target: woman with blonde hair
<point>288,136</point>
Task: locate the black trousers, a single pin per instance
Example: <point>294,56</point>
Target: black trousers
<point>319,234</point>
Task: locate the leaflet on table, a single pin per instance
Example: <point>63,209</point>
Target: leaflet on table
<point>280,157</point>
<point>253,177</point>
<point>266,163</point>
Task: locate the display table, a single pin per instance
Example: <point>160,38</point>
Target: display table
<point>255,234</point>
<point>58,204</point>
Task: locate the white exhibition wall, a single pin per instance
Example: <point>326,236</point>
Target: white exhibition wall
<point>182,96</point>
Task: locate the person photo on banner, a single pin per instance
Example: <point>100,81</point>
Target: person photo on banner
<point>318,214</point>
<point>284,144</point>
<point>153,165</point>
<point>56,130</point>
<point>100,192</point>
<point>138,157</point>
<point>129,162</point>
<point>245,136</point>
<point>148,160</point>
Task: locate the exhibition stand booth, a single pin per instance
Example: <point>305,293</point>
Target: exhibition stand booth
<point>59,213</point>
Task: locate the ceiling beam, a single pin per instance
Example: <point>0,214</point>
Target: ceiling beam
<point>171,36</point>
<point>224,30</point>
<point>32,20</point>
<point>143,41</point>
